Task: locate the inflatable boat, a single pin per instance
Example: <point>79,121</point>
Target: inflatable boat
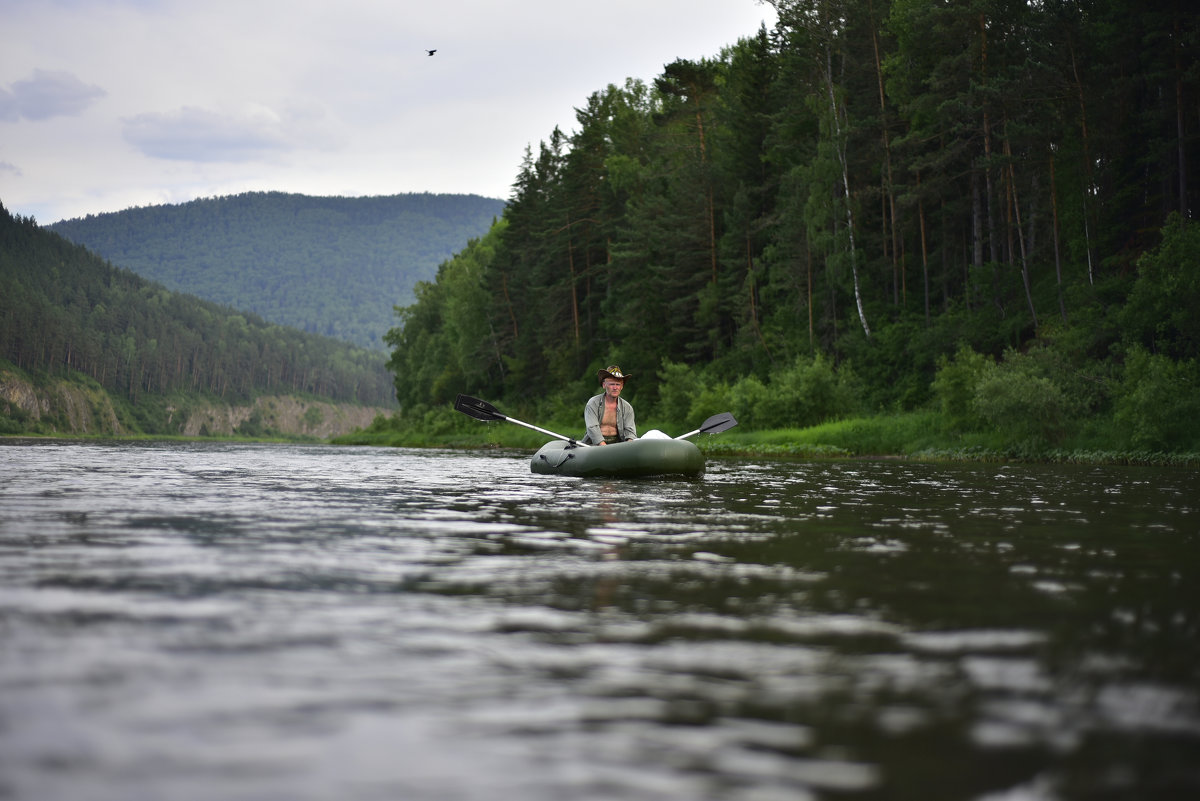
<point>634,459</point>
<point>654,454</point>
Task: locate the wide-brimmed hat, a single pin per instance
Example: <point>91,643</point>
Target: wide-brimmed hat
<point>612,371</point>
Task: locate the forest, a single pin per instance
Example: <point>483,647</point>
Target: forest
<point>983,209</point>
<point>327,265</point>
<point>62,308</point>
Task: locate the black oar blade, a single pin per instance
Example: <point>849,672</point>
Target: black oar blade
<point>479,409</point>
<point>718,423</point>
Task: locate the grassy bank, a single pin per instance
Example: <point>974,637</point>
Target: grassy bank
<point>901,436</point>
<point>912,435</point>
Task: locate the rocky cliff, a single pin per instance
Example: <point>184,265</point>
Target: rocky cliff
<point>77,405</point>
<point>286,414</point>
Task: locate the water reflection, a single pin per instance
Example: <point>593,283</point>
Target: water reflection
<point>306,622</point>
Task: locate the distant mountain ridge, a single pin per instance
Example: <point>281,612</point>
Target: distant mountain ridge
<point>328,265</point>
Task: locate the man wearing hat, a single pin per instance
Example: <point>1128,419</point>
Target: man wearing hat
<point>608,416</point>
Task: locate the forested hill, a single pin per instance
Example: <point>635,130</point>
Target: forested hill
<point>62,308</point>
<point>987,208</point>
<point>328,265</point>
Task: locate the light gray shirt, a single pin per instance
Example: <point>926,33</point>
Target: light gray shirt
<point>593,411</point>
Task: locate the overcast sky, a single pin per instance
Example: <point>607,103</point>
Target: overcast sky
<point>108,104</point>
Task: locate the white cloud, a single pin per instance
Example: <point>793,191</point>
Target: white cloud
<point>193,134</point>
<point>49,93</point>
<point>202,135</point>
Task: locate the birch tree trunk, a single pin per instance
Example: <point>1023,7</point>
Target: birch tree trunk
<point>836,111</point>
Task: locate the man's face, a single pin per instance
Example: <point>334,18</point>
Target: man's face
<point>612,387</point>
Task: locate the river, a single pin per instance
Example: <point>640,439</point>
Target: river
<point>200,621</point>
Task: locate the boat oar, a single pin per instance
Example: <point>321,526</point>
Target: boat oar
<point>713,425</point>
<point>482,410</point>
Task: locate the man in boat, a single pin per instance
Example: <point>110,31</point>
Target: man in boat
<point>608,416</point>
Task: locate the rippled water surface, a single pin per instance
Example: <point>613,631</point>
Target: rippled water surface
<point>215,621</point>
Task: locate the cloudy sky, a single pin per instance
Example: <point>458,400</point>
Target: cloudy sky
<point>107,104</point>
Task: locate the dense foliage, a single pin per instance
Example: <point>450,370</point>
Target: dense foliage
<point>64,308</point>
<point>327,265</point>
<point>880,205</point>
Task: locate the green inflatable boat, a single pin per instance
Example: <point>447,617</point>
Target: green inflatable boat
<point>634,459</point>
<point>654,454</point>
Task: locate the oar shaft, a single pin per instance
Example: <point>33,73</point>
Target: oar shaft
<point>482,410</point>
<point>547,433</point>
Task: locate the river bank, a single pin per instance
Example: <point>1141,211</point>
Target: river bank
<point>909,435</point>
<point>77,408</point>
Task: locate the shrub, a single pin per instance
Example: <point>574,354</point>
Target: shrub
<point>313,416</point>
<point>13,419</point>
<point>252,426</point>
<point>746,398</point>
<point>954,388</point>
<point>1028,409</point>
<point>1158,402</point>
<point>1160,312</point>
<point>678,389</point>
<point>712,398</point>
<point>1060,354</point>
<point>808,393</point>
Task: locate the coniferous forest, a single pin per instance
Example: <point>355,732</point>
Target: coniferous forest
<point>327,265</point>
<point>63,309</point>
<point>983,209</point>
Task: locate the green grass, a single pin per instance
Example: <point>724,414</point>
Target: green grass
<point>908,435</point>
<point>883,436</point>
<point>891,435</point>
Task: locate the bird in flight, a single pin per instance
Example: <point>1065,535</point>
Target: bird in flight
<point>431,52</point>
